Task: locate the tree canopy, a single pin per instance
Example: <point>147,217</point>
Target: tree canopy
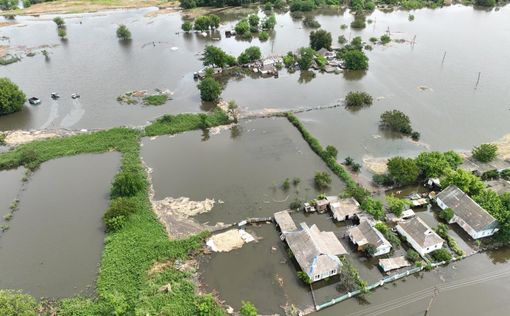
<point>358,99</point>
<point>434,164</point>
<point>123,32</point>
<point>464,180</point>
<point>397,206</point>
<point>485,152</point>
<point>11,97</point>
<point>305,58</point>
<point>396,121</point>
<point>320,39</point>
<point>355,60</point>
<point>249,55</point>
<point>210,89</point>
<point>403,171</point>
<point>215,56</point>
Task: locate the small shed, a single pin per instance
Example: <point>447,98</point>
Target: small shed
<point>393,263</point>
<point>284,221</point>
<point>322,205</point>
<point>345,209</point>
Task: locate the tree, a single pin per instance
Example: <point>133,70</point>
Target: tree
<point>464,180</point>
<point>320,39</point>
<point>128,183</point>
<point>485,3</point>
<point>187,26</point>
<point>305,58</point>
<point>210,89</point>
<point>11,97</point>
<point>396,121</point>
<point>16,303</point>
<point>214,21</point>
<point>441,255</point>
<point>355,60</point>
<point>322,180</point>
<point>269,23</point>
<point>359,22</point>
<point>263,36</point>
<point>123,32</point>
<point>188,4</point>
<point>373,207</point>
<point>485,152</point>
<point>397,206</point>
<point>248,309</point>
<point>358,99</point>
<point>432,164</point>
<point>412,255</point>
<point>249,55</point>
<point>403,171</point>
<point>341,39</point>
<point>59,21</point>
<point>332,151</point>
<point>385,39</point>
<point>254,21</point>
<point>215,56</point>
<point>62,32</point>
<point>446,214</point>
<point>242,27</point>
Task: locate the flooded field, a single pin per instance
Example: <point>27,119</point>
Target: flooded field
<point>243,169</point>
<point>404,76</point>
<point>10,184</point>
<point>53,245</point>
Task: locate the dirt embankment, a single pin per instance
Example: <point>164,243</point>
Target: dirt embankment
<point>503,146</point>
<point>18,137</point>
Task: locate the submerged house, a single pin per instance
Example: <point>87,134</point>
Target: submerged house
<point>476,221</point>
<point>316,252</point>
<point>423,239</point>
<point>344,209</point>
<point>365,234</point>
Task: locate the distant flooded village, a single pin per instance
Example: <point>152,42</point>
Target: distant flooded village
<point>282,157</point>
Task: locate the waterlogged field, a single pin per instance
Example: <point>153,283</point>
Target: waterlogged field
<point>243,169</point>
<point>55,238</point>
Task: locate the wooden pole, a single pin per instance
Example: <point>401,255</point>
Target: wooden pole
<point>444,56</point>
<point>478,80</point>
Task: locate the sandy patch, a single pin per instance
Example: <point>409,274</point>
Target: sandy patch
<point>229,240</point>
<point>162,11</point>
<point>218,129</point>
<point>18,137</point>
<point>7,23</point>
<point>376,165</point>
<point>503,146</point>
<point>159,267</point>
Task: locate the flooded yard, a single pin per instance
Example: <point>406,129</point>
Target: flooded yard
<point>10,184</point>
<point>242,169</point>
<point>55,239</point>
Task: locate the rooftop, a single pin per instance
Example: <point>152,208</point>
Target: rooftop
<point>315,251</point>
<point>465,208</point>
<point>365,233</point>
<point>345,207</point>
<point>285,221</point>
<point>471,164</point>
<point>393,263</point>
<point>420,232</point>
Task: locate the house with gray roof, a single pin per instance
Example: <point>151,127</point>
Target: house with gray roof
<point>421,237</point>
<point>316,252</point>
<point>344,209</point>
<point>365,234</point>
<point>476,221</point>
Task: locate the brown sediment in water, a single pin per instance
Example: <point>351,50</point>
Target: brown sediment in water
<point>7,23</point>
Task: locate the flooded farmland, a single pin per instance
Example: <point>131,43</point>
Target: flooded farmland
<point>55,238</point>
<point>243,169</point>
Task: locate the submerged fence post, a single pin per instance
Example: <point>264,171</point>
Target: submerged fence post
<point>478,79</point>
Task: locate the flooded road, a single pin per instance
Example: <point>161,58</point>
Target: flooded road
<point>55,239</point>
<point>242,169</point>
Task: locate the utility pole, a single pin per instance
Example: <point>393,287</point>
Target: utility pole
<point>478,80</point>
<point>444,56</point>
<point>436,292</point>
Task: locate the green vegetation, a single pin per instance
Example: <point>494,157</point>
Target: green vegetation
<point>397,206</point>
<point>248,309</point>
<point>412,255</point>
<point>304,277</point>
<point>285,184</point>
<point>263,36</point>
<point>322,180</point>
<point>373,207</point>
<point>173,124</point>
<point>485,3</point>
<point>350,279</point>
<point>396,121</point>
<point>158,99</point>
<point>434,164</point>
<point>505,174</point>
<point>446,214</point>
<point>358,99</point>
<point>243,29</point>
<point>485,152</point>
<point>302,5</point>
<point>187,26</point>
<point>118,213</point>
<point>249,55</point>
<point>123,32</point>
<point>332,151</point>
<point>62,33</point>
<point>465,180</point>
<point>355,60</point>
<point>403,171</point>
<point>342,40</point>
<point>2,138</point>
<point>359,22</point>
<point>59,21</point>
<point>269,22</point>
<point>11,97</point>
<point>210,89</point>
<point>320,39</point>
<point>215,56</point>
<point>17,304</point>
<point>206,22</point>
<point>311,22</point>
<point>441,255</point>
<point>385,39</point>
<point>388,234</point>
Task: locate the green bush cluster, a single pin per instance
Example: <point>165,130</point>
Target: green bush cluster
<point>485,152</point>
<point>17,303</point>
<point>358,99</point>
<point>441,255</point>
<point>158,99</point>
<point>446,214</point>
<point>412,255</point>
<point>11,97</point>
<point>397,206</point>
<point>173,124</point>
<point>117,214</point>
<point>388,234</point>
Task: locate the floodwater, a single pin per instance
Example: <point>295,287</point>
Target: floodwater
<point>450,114</point>
<point>243,168</point>
<point>10,185</point>
<point>55,239</point>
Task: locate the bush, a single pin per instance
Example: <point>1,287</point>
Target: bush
<point>403,171</point>
<point>158,99</point>
<point>382,179</point>
<point>358,23</point>
<point>505,174</point>
<point>396,121</point>
<point>311,22</point>
<point>397,206</point>
<point>29,158</point>
<point>412,255</point>
<point>442,230</point>
<point>242,27</point>
<point>210,89</point>
<point>485,152</point>
<point>388,234</point>
<point>128,182</point>
<point>322,180</point>
<point>486,3</point>
<point>305,58</point>
<point>373,207</point>
<point>249,55</point>
<point>446,214</point>
<point>17,304</point>
<point>355,60</point>
<point>331,151</point>
<point>342,40</point>
<point>248,309</point>
<point>295,205</point>
<point>385,39</point>
<point>11,97</point>
<point>215,56</point>
<point>490,175</point>
<point>58,21</point>
<point>358,99</point>
<point>302,5</point>
<point>118,212</point>
<point>441,255</point>
<point>123,32</point>
<point>62,33</point>
<point>187,26</point>
<point>263,36</point>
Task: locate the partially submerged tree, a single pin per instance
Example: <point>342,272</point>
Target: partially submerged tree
<point>215,56</point>
<point>187,26</point>
<point>485,152</point>
<point>62,33</point>
<point>355,60</point>
<point>358,99</point>
<point>249,55</point>
<point>59,21</point>
<point>403,171</point>
<point>320,39</point>
<point>123,32</point>
<point>396,121</point>
<point>11,97</point>
<point>397,206</point>
<point>210,89</point>
<point>322,180</point>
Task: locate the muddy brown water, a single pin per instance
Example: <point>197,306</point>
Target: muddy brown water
<point>244,172</point>
<point>55,239</point>
<point>10,185</point>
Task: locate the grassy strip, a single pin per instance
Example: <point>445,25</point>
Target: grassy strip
<point>124,286</point>
<point>173,124</point>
